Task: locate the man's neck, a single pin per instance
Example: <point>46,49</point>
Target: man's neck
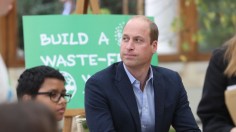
<point>141,74</point>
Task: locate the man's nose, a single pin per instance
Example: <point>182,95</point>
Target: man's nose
<point>130,45</point>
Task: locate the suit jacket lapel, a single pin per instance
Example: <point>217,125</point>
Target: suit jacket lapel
<point>159,96</point>
<point>126,90</point>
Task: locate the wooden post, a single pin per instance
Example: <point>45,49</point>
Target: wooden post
<point>9,38</point>
<point>125,6</point>
<point>140,7</point>
<point>94,6</point>
<point>188,13</point>
<point>82,6</point>
<point>3,38</point>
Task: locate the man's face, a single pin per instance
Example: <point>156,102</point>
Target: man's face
<point>5,6</point>
<point>56,86</point>
<point>136,49</point>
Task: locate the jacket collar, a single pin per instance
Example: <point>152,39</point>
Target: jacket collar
<point>126,90</point>
<point>159,96</point>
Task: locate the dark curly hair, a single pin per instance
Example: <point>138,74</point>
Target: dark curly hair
<point>31,80</point>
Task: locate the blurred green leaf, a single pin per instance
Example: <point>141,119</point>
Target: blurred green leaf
<point>207,23</point>
<point>177,24</point>
<point>211,15</point>
<point>185,46</point>
<point>217,23</point>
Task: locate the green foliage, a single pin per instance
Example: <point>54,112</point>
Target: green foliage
<point>84,123</point>
<point>35,7</point>
<point>105,11</point>
<point>102,11</point>
<point>172,129</point>
<point>185,46</point>
<point>177,24</point>
<point>39,7</point>
<point>217,22</point>
<point>115,6</point>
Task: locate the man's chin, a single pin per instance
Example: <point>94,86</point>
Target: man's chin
<point>129,63</point>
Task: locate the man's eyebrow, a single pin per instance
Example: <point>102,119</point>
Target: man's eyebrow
<point>138,36</point>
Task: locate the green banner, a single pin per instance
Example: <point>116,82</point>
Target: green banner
<point>77,45</point>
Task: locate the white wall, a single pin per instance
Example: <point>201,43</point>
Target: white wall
<point>164,13</point>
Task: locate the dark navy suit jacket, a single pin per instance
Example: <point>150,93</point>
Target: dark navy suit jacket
<point>110,103</point>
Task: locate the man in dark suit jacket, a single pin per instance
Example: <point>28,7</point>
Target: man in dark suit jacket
<point>132,95</point>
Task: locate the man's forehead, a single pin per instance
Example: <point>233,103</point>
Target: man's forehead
<point>136,26</point>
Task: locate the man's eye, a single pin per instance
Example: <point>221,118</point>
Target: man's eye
<point>125,39</point>
<point>138,40</point>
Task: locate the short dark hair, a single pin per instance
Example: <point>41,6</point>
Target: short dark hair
<point>154,32</point>
<point>31,80</point>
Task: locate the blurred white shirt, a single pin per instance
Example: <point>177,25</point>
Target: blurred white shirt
<point>6,93</point>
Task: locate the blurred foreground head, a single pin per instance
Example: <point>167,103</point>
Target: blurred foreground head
<point>5,6</point>
<point>27,117</point>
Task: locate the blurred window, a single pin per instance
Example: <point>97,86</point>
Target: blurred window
<point>164,17</point>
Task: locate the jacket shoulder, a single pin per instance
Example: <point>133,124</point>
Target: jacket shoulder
<point>165,73</point>
<point>107,73</point>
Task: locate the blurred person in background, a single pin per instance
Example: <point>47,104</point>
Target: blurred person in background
<point>68,6</point>
<point>221,73</point>
<point>6,93</point>
<point>5,6</point>
<point>26,117</point>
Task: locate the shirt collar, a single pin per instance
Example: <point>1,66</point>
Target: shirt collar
<point>131,77</point>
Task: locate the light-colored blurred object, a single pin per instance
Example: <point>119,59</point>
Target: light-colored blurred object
<point>70,120</point>
<point>77,125</point>
<point>5,6</point>
<point>6,94</point>
<point>3,81</point>
<point>68,8</point>
<point>168,39</point>
<point>79,121</point>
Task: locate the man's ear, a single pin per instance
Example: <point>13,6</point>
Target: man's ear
<point>154,46</point>
<point>26,97</point>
